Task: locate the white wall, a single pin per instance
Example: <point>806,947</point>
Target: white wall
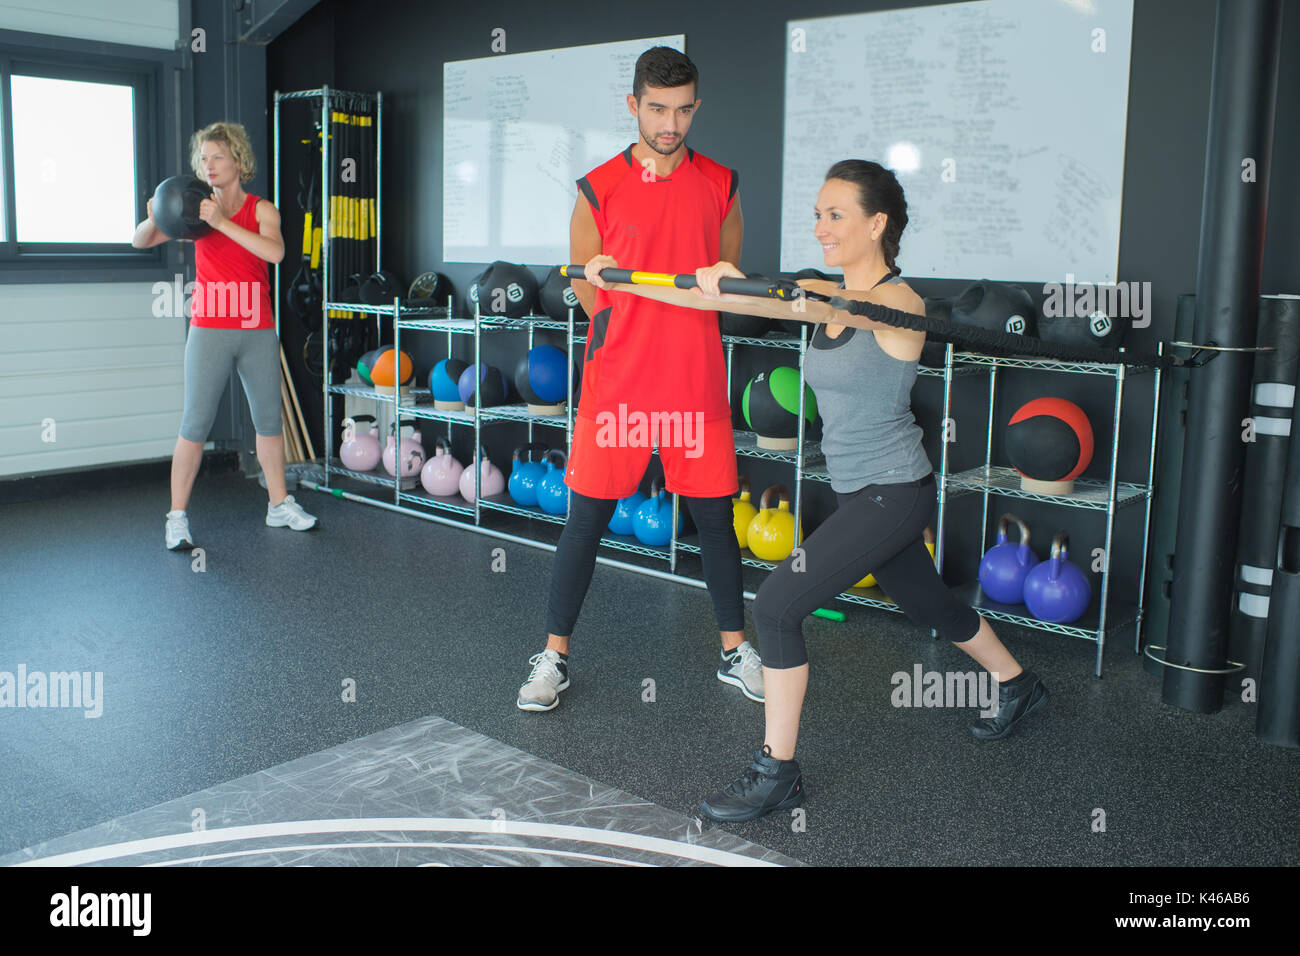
<point>94,359</point>
<point>151,23</point>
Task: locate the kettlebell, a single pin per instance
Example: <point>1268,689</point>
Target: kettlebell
<point>491,480</point>
<point>360,450</point>
<point>410,450</point>
<point>771,532</point>
<point>742,513</point>
<point>1003,569</point>
<point>625,511</point>
<point>653,521</point>
<point>552,492</point>
<point>441,473</point>
<point>1056,590</point>
<point>870,580</point>
<point>525,474</point>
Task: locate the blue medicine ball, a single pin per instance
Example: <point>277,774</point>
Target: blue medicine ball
<point>542,376</point>
<point>445,378</point>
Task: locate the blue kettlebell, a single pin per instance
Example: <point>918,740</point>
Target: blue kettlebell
<point>625,511</point>
<point>653,521</point>
<point>1056,590</point>
<point>525,475</point>
<point>1004,568</point>
<point>552,492</point>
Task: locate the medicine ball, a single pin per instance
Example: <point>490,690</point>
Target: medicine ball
<point>542,376</point>
<point>508,290</point>
<point>771,406</point>
<point>997,306</point>
<point>492,386</point>
<point>1049,439</point>
<point>1097,330</point>
<point>428,289</point>
<point>365,364</point>
<point>557,297</point>
<point>444,380</point>
<point>381,288</point>
<point>381,372</point>
<point>176,207</point>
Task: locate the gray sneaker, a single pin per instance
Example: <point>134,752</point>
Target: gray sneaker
<point>550,675</point>
<point>290,513</point>
<point>178,532</point>
<point>743,668</point>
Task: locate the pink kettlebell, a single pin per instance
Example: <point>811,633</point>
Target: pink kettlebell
<point>410,450</point>
<point>491,480</point>
<point>360,450</point>
<point>441,473</point>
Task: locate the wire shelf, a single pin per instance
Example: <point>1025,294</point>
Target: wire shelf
<point>747,445</point>
<point>1088,492</point>
<point>1087,627</point>
<point>452,503</point>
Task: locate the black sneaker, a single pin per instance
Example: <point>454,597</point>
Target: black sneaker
<point>1014,705</point>
<point>767,784</point>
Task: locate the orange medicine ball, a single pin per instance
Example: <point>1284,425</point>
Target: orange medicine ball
<point>381,373</point>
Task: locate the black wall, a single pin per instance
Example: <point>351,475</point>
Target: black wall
<point>399,48</point>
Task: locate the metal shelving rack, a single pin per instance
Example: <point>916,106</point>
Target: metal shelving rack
<point>1108,496</point>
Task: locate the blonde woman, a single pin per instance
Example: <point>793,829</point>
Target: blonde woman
<point>231,324</point>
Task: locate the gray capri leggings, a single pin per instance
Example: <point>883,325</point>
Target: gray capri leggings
<point>209,354</point>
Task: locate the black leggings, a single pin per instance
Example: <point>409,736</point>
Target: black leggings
<point>876,530</point>
<point>575,559</point>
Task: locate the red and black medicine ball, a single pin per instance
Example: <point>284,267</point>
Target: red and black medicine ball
<point>1049,439</point>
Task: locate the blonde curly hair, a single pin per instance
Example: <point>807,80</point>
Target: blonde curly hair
<point>235,138</point>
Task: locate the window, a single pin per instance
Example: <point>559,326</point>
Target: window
<point>79,141</point>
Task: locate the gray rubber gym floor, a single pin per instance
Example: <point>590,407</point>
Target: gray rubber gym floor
<point>216,675</point>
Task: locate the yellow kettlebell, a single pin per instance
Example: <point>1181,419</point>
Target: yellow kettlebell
<point>742,513</point>
<point>771,531</point>
<point>870,580</point>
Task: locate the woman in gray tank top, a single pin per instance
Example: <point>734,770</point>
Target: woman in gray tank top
<point>862,372</point>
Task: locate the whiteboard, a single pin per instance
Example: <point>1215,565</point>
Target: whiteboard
<point>1003,120</point>
<point>518,131</point>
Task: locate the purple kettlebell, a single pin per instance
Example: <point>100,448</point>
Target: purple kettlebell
<point>1057,591</point>
<point>1004,568</point>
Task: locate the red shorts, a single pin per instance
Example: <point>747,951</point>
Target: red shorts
<point>608,458</point>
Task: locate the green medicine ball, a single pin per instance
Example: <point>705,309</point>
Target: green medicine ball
<point>771,403</point>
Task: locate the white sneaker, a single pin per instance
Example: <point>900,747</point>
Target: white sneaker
<point>550,675</point>
<point>743,668</point>
<point>178,532</point>
<point>289,512</point>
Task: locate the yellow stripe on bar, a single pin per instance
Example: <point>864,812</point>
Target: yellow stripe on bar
<point>653,278</point>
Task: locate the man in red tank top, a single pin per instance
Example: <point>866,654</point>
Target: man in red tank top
<point>653,374</point>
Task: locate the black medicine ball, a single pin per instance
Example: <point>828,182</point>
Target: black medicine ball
<point>507,289</point>
<point>1097,330</point>
<point>557,297</point>
<point>176,207</point>
<point>997,306</point>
